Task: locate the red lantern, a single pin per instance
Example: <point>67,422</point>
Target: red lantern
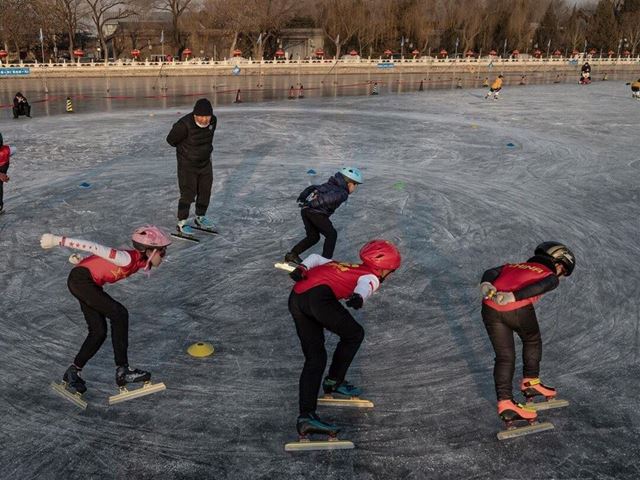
<point>279,53</point>
<point>443,53</point>
<point>493,53</point>
<point>470,53</point>
<point>537,53</point>
<point>515,53</point>
<point>353,53</point>
<point>135,53</point>
<point>3,54</point>
<point>611,53</point>
<point>626,53</point>
<point>415,52</point>
<point>388,52</point>
<point>557,53</point>
<point>575,52</point>
<point>186,52</point>
<point>237,52</point>
<point>319,52</point>
<point>78,53</point>
<point>593,51</point>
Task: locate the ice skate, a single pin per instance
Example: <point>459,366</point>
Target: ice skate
<point>532,388</point>
<point>184,231</point>
<point>72,387</point>
<point>126,375</point>
<point>342,395</point>
<point>311,424</point>
<point>291,261</point>
<point>513,414</point>
<point>204,224</point>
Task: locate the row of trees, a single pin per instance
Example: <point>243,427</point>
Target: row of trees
<point>368,26</point>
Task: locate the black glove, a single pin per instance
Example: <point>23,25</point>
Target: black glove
<point>300,273</point>
<point>355,301</point>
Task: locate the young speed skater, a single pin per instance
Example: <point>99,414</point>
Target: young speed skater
<point>86,281</point>
<point>5,160</point>
<point>496,86</point>
<point>314,304</point>
<point>318,202</point>
<point>635,89</point>
<point>509,293</point>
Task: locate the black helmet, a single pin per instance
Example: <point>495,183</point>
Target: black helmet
<point>559,253</point>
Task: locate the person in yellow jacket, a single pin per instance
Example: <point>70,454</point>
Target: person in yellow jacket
<point>635,89</point>
<point>496,86</point>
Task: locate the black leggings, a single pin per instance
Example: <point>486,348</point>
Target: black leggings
<point>312,312</point>
<point>500,327</point>
<point>3,169</point>
<point>195,185</point>
<point>315,224</point>
<point>96,305</point>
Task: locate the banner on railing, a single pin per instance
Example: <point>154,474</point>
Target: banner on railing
<point>386,65</point>
<point>14,71</point>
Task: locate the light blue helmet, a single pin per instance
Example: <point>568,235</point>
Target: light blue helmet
<point>352,173</point>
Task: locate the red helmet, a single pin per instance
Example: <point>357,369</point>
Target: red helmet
<point>150,236</point>
<point>380,254</point>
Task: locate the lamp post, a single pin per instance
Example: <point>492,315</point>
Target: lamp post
<point>619,46</point>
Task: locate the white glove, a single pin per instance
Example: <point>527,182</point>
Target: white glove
<point>487,289</point>
<point>48,240</point>
<point>12,150</point>
<point>503,298</point>
<point>75,259</point>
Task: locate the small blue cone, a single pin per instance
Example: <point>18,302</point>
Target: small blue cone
<point>510,145</point>
<point>311,171</point>
<point>85,185</point>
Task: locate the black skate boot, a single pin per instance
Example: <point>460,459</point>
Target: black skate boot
<point>126,375</point>
<point>292,258</point>
<point>344,388</point>
<point>311,423</point>
<point>73,380</point>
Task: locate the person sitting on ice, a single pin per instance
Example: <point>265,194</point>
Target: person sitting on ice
<point>509,293</point>
<point>314,304</point>
<point>86,281</point>
<point>496,86</point>
<point>21,106</point>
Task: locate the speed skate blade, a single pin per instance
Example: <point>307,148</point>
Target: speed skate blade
<point>147,389</point>
<point>75,398</point>
<point>330,401</point>
<point>318,445</point>
<point>182,236</point>
<point>520,431</point>
<point>287,267</point>
<point>548,405</point>
<point>213,231</point>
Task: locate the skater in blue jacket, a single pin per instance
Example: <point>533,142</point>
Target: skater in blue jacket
<point>318,203</point>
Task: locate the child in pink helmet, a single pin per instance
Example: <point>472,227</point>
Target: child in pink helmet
<point>86,281</point>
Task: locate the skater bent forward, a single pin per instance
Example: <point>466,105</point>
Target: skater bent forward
<point>509,293</point>
<point>314,305</point>
<point>86,281</point>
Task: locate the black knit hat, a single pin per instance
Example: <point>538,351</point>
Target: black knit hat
<point>203,108</point>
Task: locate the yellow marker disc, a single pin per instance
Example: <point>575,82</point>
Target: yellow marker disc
<point>200,349</point>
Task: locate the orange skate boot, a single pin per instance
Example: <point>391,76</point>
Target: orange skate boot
<point>511,412</point>
<point>532,388</point>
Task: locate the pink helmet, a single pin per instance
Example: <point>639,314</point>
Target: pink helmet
<point>381,254</point>
<point>150,236</point>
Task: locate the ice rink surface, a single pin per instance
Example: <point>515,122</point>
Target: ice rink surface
<point>461,184</point>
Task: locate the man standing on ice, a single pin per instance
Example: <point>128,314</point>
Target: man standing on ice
<point>192,136</point>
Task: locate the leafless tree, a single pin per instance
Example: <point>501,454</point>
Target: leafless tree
<point>177,8</point>
<point>103,11</point>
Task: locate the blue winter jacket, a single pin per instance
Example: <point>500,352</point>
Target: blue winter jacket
<point>327,197</point>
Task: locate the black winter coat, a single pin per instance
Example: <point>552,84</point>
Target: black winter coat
<point>327,197</point>
<point>194,145</point>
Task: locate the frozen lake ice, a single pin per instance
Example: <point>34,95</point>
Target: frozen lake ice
<point>461,184</point>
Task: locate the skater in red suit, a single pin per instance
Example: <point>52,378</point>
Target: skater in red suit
<point>5,157</point>
<point>86,281</point>
<point>509,293</point>
<point>314,305</point>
